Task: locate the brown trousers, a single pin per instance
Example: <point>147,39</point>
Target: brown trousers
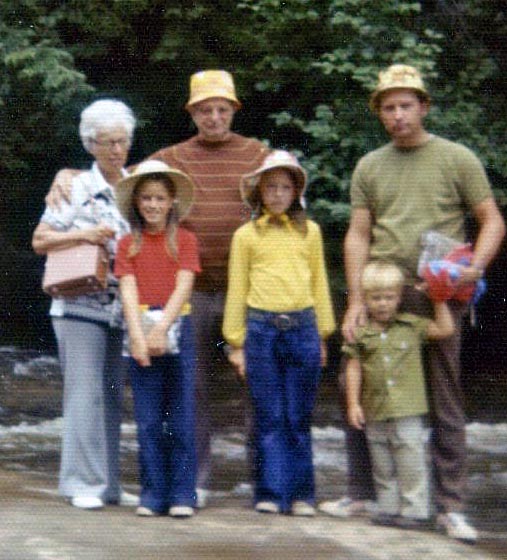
<point>207,318</point>
<point>447,417</point>
<point>207,315</point>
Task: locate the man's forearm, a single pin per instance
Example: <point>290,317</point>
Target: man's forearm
<point>491,233</point>
<point>487,245</point>
<point>356,253</point>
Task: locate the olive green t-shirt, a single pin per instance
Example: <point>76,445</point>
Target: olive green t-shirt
<point>412,190</point>
<point>391,366</point>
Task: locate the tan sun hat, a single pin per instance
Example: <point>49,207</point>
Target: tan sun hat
<point>212,83</point>
<point>183,185</point>
<point>398,76</point>
<point>276,159</point>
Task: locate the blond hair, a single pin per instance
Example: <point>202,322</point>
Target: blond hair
<point>381,275</point>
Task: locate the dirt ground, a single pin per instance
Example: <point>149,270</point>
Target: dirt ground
<point>38,525</point>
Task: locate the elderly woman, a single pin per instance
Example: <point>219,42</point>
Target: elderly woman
<point>88,328</point>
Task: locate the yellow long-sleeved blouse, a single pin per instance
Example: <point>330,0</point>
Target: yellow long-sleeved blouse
<point>276,268</point>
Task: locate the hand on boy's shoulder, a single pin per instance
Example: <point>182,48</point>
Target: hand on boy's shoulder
<point>61,188</point>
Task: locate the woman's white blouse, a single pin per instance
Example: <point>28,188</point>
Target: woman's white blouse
<point>92,201</point>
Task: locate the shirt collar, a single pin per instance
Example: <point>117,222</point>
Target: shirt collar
<point>270,220</point>
<point>403,318</point>
<point>100,185</point>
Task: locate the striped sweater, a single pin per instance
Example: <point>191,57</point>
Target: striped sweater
<point>216,169</point>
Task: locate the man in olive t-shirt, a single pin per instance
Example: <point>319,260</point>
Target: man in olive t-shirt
<point>415,183</point>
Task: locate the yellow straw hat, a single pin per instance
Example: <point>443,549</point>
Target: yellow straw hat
<point>212,83</point>
<point>398,76</point>
<point>276,159</point>
<point>182,183</point>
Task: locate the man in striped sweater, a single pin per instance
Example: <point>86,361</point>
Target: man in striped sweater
<point>215,158</point>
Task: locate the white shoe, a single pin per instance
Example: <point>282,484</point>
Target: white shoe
<point>128,500</point>
<point>143,511</point>
<point>181,511</point>
<point>345,507</point>
<point>303,509</point>
<point>202,497</point>
<point>267,507</point>
<point>87,502</point>
<point>455,525</point>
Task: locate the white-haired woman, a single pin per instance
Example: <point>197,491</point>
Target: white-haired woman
<point>88,328</point>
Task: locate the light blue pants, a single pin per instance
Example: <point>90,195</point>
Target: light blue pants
<point>94,373</point>
<point>400,473</point>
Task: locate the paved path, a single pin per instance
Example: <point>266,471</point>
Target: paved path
<point>37,525</point>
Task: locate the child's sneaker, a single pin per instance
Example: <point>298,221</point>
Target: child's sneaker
<point>302,509</point>
<point>181,511</point>
<point>143,511</point>
<point>455,525</point>
<point>128,500</point>
<point>346,507</point>
<point>267,507</point>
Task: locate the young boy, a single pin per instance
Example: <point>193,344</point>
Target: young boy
<point>386,394</point>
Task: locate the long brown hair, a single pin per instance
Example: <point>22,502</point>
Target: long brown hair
<point>137,222</point>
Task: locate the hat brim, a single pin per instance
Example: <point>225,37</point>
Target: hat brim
<point>222,95</point>
<point>250,183</point>
<point>183,185</point>
<point>377,94</point>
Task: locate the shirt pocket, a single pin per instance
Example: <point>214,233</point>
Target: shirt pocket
<point>400,353</point>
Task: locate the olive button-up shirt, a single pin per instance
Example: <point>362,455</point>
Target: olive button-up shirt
<point>393,383</point>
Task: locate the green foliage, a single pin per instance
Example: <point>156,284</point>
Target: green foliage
<point>304,70</point>
<point>351,41</point>
<point>470,92</point>
<point>323,58</point>
<point>39,88</point>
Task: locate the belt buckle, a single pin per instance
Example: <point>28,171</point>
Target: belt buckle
<point>282,322</point>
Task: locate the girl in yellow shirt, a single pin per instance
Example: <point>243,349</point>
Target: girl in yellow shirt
<point>278,313</point>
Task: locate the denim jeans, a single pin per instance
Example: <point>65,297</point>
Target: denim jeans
<point>283,371</point>
<point>164,412</point>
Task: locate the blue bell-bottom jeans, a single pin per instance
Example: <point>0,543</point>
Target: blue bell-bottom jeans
<point>164,411</point>
<point>283,371</point>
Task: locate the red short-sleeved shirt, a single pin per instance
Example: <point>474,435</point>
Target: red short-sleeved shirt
<point>153,267</point>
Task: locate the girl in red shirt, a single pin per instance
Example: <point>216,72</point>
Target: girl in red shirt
<point>156,265</point>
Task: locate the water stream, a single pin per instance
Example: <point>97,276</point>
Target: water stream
<point>31,424</point>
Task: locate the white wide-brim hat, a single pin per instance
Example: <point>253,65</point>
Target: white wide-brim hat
<point>276,159</point>
<point>184,187</point>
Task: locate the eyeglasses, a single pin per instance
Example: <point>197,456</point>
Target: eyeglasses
<point>110,144</point>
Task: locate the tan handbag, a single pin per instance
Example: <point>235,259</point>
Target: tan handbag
<point>76,271</point>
